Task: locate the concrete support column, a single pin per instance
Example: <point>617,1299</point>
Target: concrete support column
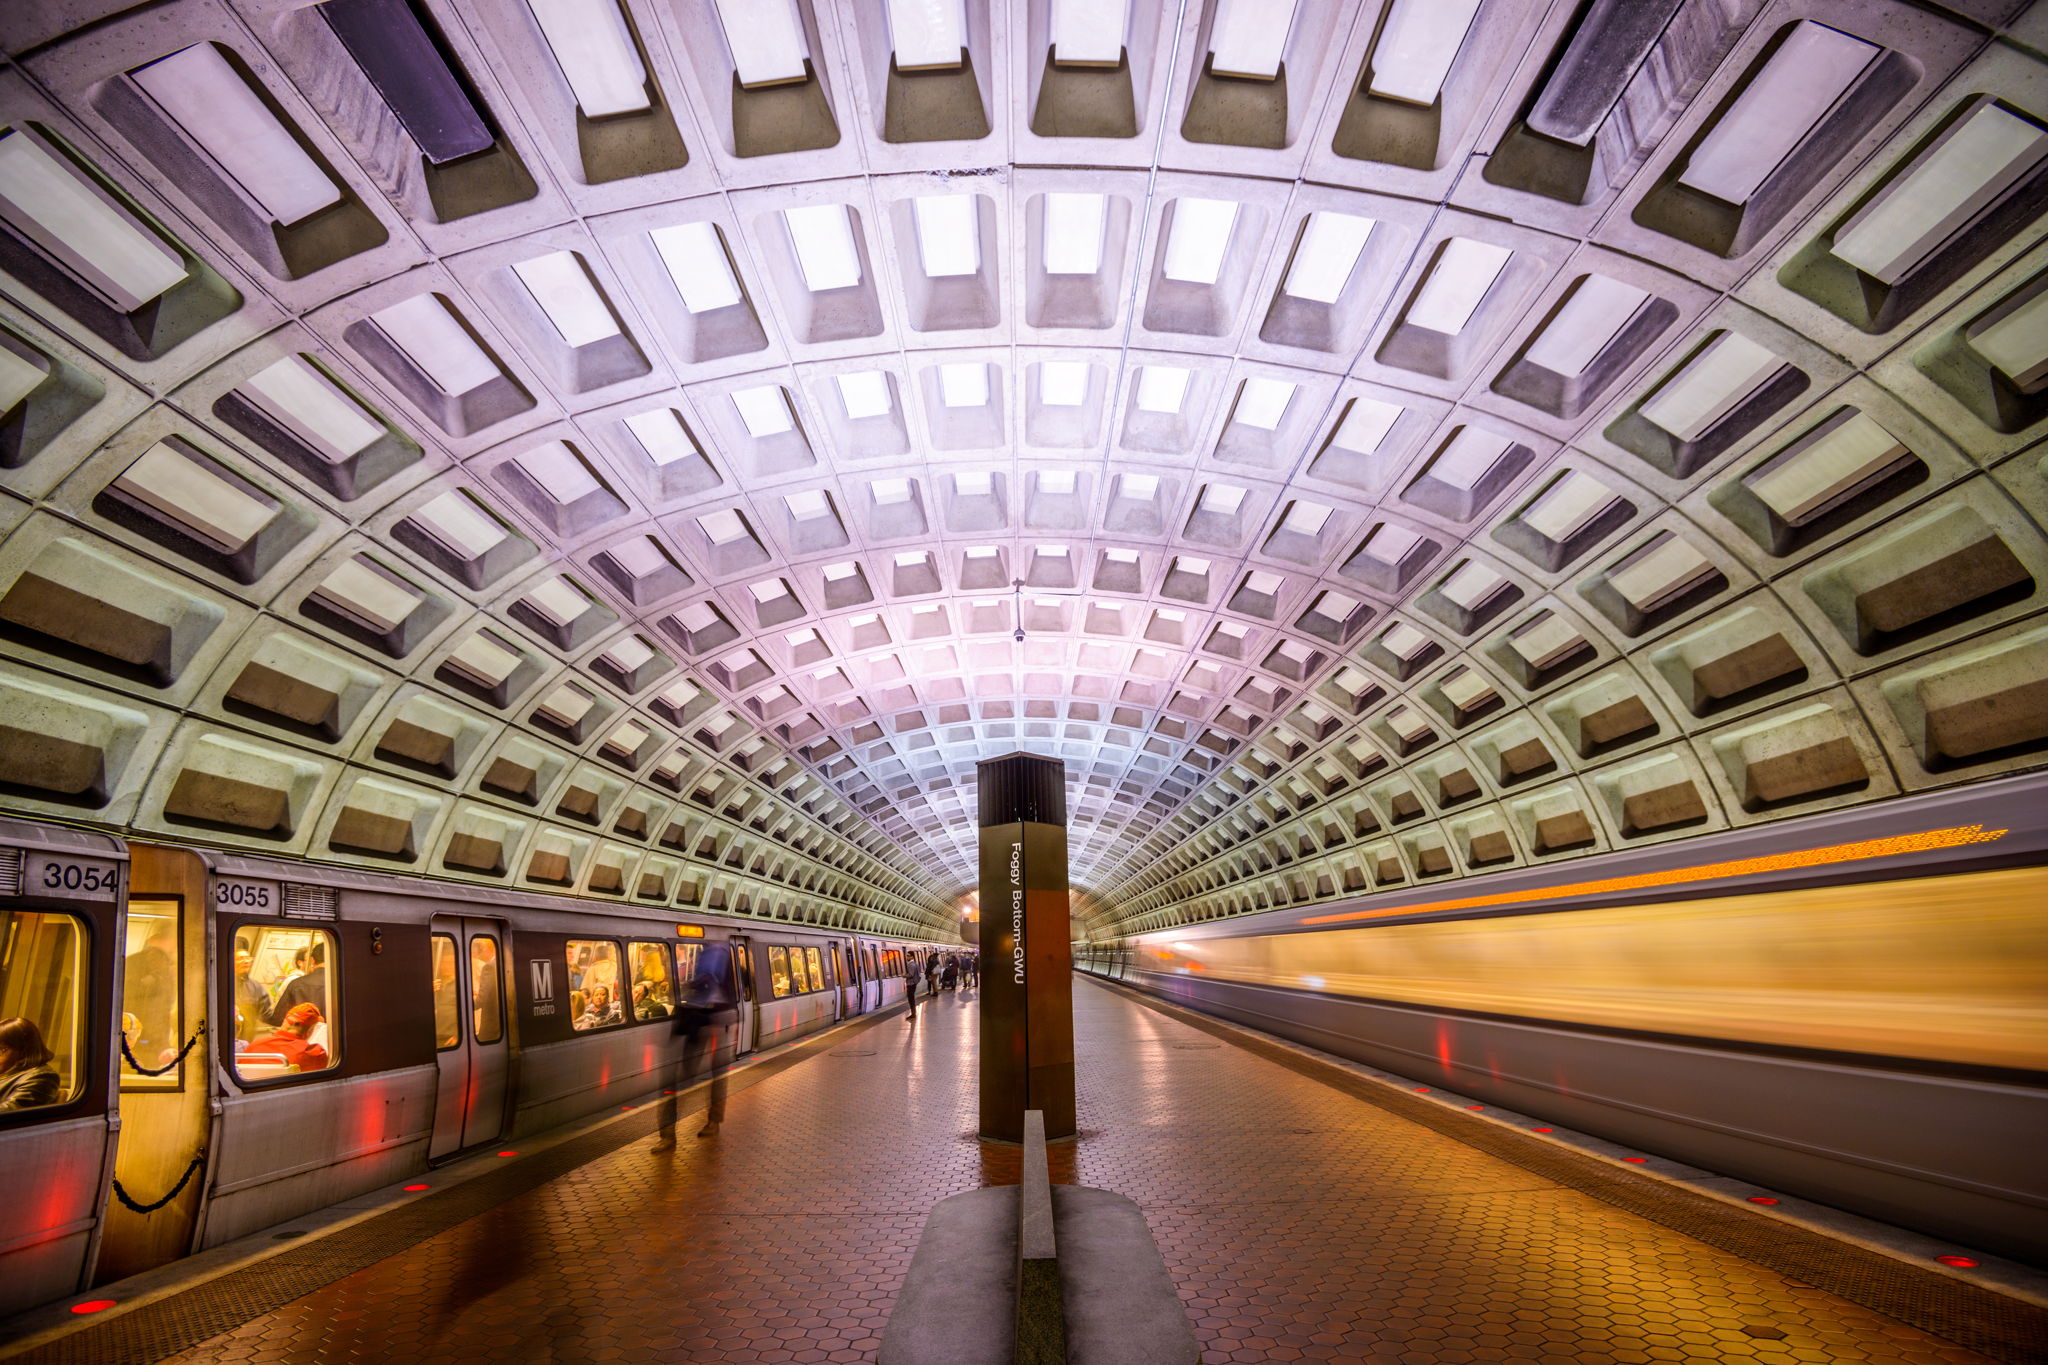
<point>1027,999</point>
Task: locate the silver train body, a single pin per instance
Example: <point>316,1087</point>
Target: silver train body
<point>410,1080</point>
<point>1852,1009</point>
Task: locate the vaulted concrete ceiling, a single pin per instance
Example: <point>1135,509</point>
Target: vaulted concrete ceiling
<point>655,449</point>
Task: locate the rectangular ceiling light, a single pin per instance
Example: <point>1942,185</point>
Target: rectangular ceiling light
<point>1075,224</point>
<point>948,234</point>
<point>695,258</point>
<point>1592,317</point>
<point>212,104</point>
<point>405,65</point>
<point>964,384</point>
<point>1089,32</point>
<point>559,473</point>
<point>1247,38</point>
<point>564,290</point>
<point>1138,487</point>
<point>1366,423</point>
<point>19,377</point>
<point>557,599</point>
<point>1457,284</point>
<point>1469,457</point>
<point>1198,239</point>
<point>1568,507</point>
<point>1659,573</point>
<point>195,497</point>
<point>927,34</point>
<point>311,407</point>
<point>437,344</point>
<point>1162,388</point>
<point>1829,471</point>
<point>1221,498</point>
<point>1306,518</point>
<point>461,527</point>
<point>1262,403</point>
<point>1062,383</point>
<point>1418,41</point>
<point>723,527</point>
<point>865,394</point>
<point>1805,78</point>
<point>2016,345</point>
<point>1390,544</point>
<point>1323,264</point>
<point>357,589</point>
<point>662,435</point>
<point>1712,385</point>
<point>766,40</point>
<point>822,237</point>
<point>597,54</point>
<point>1966,170</point>
<point>53,204</point>
<point>764,410</point>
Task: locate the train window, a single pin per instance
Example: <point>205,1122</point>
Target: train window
<point>42,1009</point>
<point>778,971</point>
<point>817,969</point>
<point>594,984</point>
<point>686,962</point>
<point>799,973</point>
<point>152,1019</point>
<point>447,995</point>
<point>295,1032</point>
<point>486,999</point>
<point>653,989</point>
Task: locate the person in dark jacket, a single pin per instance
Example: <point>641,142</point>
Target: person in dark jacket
<point>910,975</point>
<point>307,989</point>
<point>708,1006</point>
<point>951,975</point>
<point>27,1078</point>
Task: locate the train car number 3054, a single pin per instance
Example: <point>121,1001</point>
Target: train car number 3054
<point>76,878</point>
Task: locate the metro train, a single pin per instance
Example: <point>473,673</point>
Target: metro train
<point>1851,1008</point>
<point>236,1040</point>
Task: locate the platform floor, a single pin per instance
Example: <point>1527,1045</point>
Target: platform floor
<point>1302,1221</point>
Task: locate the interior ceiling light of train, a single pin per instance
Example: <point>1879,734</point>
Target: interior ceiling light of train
<point>655,448</point>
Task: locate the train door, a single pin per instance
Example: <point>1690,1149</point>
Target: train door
<point>166,1110</point>
<point>749,1025</point>
<point>846,983</point>
<point>469,1032</point>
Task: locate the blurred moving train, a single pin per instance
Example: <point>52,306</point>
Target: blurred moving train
<point>242,1040</point>
<point>1851,1008</point>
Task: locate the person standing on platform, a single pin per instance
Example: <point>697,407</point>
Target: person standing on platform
<point>910,986</point>
<point>951,975</point>
<point>707,1007</point>
<point>931,976</point>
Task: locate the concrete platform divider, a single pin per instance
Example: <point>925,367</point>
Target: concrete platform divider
<point>1038,1274</point>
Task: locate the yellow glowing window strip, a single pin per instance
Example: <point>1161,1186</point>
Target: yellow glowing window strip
<point>1893,847</point>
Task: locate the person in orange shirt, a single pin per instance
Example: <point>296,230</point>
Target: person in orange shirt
<point>289,1041</point>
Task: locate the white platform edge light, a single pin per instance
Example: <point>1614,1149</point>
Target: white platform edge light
<point>595,50</point>
<point>210,102</point>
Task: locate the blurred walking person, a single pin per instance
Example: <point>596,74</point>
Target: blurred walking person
<point>708,1006</point>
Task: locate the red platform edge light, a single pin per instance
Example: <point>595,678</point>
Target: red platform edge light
<point>102,1305</point>
<point>508,1154</point>
<point>1761,1199</point>
<point>1543,1130</point>
<point>1475,1106</point>
<point>1963,1262</point>
<point>1639,1160</point>
<point>1422,1090</point>
<point>410,1188</point>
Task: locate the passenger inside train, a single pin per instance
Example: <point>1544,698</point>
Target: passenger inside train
<point>27,1080</point>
